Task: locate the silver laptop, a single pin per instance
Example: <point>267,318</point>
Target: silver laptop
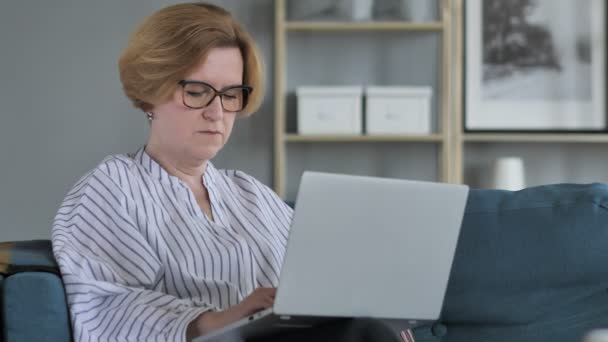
<point>362,247</point>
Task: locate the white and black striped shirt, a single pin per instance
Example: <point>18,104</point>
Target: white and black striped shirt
<point>140,260</point>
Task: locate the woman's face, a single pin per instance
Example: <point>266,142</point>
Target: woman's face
<point>199,134</point>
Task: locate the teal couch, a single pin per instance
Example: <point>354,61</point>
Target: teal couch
<point>530,266</point>
<point>33,302</point>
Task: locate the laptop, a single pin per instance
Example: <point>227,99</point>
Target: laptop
<point>361,247</point>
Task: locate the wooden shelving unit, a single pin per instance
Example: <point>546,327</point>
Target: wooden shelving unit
<point>451,140</point>
<point>365,26</point>
<point>536,138</point>
<point>442,139</point>
<point>363,138</point>
<point>461,139</point>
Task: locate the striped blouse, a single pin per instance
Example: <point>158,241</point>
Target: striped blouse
<point>140,260</point>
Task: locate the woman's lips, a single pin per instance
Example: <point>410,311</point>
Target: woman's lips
<point>210,132</point>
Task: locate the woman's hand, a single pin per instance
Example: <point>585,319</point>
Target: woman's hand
<point>260,299</point>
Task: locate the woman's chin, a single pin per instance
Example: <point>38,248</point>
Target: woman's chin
<point>207,153</point>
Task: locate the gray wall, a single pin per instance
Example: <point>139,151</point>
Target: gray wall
<point>62,109</point>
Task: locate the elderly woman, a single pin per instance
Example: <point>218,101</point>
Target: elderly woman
<point>161,245</point>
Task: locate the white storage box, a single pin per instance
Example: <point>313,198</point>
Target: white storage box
<point>329,110</point>
<point>398,110</point>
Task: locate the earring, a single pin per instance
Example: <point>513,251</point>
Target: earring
<point>150,116</point>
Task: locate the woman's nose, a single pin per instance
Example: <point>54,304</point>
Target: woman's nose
<point>214,110</point>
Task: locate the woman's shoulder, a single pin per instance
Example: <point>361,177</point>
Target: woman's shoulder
<point>109,172</point>
<point>115,167</point>
<point>242,181</point>
<point>232,177</point>
<point>116,163</point>
<point>251,190</point>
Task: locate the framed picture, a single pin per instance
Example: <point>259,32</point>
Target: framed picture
<point>535,65</point>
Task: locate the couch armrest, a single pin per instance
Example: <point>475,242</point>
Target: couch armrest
<point>34,308</point>
<point>1,305</point>
<point>33,303</point>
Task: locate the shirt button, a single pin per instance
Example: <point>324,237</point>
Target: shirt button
<point>439,330</point>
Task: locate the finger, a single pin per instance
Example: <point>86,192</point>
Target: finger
<point>268,297</point>
<point>270,292</point>
<point>266,302</point>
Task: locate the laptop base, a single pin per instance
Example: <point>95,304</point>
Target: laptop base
<point>263,324</point>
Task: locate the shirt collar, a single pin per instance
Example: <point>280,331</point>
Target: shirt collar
<point>155,170</point>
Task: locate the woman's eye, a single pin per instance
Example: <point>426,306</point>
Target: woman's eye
<point>194,94</point>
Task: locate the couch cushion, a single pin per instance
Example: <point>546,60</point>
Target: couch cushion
<point>529,266</point>
<point>20,256</point>
<point>34,308</point>
<point>1,305</point>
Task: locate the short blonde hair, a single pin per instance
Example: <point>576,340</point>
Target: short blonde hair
<point>171,42</point>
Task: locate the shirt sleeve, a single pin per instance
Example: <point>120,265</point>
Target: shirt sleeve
<point>279,209</point>
<point>112,275</point>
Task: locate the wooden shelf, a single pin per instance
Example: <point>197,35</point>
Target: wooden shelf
<point>537,138</point>
<point>452,143</point>
<point>447,63</point>
<point>362,26</point>
<point>362,138</point>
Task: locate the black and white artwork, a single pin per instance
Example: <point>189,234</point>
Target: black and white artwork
<point>535,65</point>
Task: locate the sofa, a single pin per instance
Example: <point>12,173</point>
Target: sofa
<point>33,302</point>
<point>530,265</point>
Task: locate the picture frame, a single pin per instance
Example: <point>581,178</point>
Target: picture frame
<point>535,66</point>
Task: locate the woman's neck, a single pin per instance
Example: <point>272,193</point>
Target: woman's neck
<point>188,171</point>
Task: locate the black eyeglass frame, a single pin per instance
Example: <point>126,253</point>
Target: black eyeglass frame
<point>247,91</point>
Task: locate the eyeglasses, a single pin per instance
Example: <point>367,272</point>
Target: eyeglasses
<point>198,95</point>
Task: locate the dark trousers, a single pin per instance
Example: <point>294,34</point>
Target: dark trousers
<point>343,330</point>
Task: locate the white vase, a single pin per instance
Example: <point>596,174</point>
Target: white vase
<point>416,10</point>
<point>600,335</point>
<point>509,174</point>
<point>356,10</point>
<point>309,9</point>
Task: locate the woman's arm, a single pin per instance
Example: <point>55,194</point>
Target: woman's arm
<point>260,299</point>
<point>113,277</point>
